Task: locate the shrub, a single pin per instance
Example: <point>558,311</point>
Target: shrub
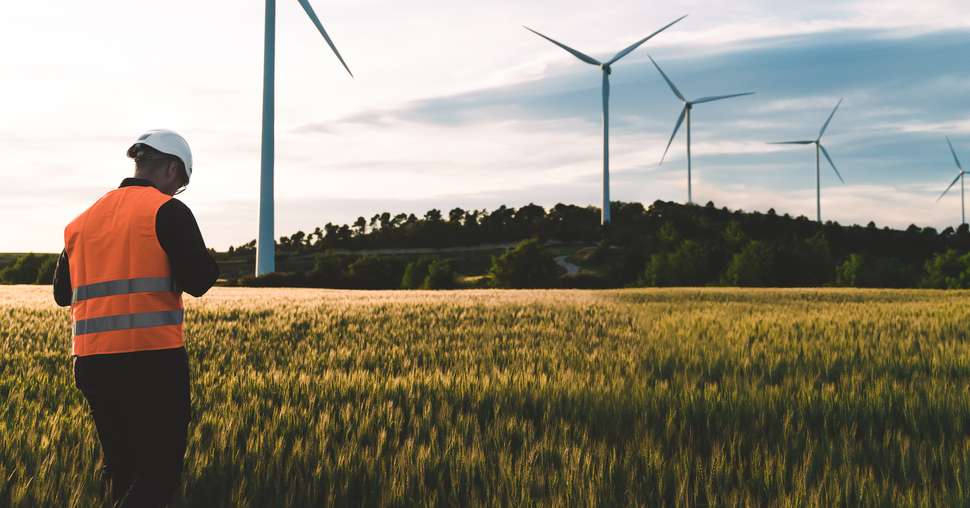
<point>45,273</point>
<point>687,265</point>
<point>440,275</point>
<point>24,270</point>
<point>415,273</point>
<point>753,266</point>
<point>862,271</point>
<point>374,272</point>
<point>948,270</point>
<point>527,265</point>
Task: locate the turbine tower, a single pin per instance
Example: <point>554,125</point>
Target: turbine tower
<point>819,149</point>
<point>963,214</point>
<point>606,68</point>
<point>265,242</point>
<point>685,114</point>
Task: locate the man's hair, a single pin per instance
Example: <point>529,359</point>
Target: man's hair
<point>150,160</point>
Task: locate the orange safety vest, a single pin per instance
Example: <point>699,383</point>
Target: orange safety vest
<point>125,298</point>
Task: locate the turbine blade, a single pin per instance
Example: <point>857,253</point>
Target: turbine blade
<point>791,143</point>
<point>316,22</point>
<point>629,49</point>
<point>669,82</point>
<point>826,126</point>
<point>683,114</point>
<point>950,187</point>
<point>721,97</point>
<point>954,152</point>
<point>582,56</point>
<point>829,158</point>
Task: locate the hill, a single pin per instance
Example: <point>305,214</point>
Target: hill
<point>665,244</point>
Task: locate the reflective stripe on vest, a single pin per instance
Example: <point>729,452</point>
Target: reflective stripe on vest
<point>128,321</point>
<point>124,287</point>
<point>124,297</point>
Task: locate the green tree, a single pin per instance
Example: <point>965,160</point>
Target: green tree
<point>862,271</point>
<point>374,272</point>
<point>851,272</point>
<point>733,236</point>
<point>433,215</point>
<point>415,273</point>
<point>440,275</point>
<point>45,273</point>
<point>456,215</point>
<point>23,270</point>
<point>814,263</point>
<point>298,240</point>
<point>527,265</point>
<point>360,227</point>
<point>668,235</point>
<point>329,269</point>
<point>948,270</point>
<point>688,265</point>
<point>753,266</point>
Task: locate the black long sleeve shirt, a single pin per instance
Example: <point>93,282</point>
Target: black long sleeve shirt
<point>193,268</point>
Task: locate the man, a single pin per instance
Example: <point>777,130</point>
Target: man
<point>125,262</point>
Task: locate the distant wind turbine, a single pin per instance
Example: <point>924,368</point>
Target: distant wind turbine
<point>818,165</point>
<point>606,68</point>
<point>685,114</point>
<point>265,243</point>
<point>963,214</point>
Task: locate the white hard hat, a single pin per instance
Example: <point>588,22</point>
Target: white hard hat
<point>167,142</point>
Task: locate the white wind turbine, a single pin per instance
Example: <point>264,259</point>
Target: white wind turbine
<point>963,214</point>
<point>606,68</point>
<point>818,165</point>
<point>685,114</point>
<point>265,243</point>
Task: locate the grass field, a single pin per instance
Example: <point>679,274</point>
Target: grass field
<point>710,397</point>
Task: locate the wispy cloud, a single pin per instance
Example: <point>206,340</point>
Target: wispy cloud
<point>460,106</point>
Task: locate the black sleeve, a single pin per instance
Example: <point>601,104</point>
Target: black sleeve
<point>193,268</point>
<point>62,281</point>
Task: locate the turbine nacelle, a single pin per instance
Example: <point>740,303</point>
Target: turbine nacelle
<point>606,68</point>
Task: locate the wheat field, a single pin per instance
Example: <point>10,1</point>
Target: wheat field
<point>682,397</point>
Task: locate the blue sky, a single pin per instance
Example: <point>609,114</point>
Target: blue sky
<point>457,105</point>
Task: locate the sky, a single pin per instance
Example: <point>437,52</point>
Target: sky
<point>455,104</point>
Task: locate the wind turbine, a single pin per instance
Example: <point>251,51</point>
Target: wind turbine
<point>685,114</point>
<point>606,68</point>
<point>265,243</point>
<point>963,214</point>
<point>818,165</point>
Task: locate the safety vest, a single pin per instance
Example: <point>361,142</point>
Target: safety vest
<point>125,298</point>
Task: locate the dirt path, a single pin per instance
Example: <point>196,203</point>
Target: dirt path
<point>570,268</point>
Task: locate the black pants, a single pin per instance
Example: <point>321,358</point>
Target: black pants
<point>141,408</point>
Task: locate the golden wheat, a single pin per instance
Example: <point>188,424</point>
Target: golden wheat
<point>706,397</point>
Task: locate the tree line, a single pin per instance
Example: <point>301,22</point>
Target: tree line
<point>669,244</point>
<point>435,230</point>
<point>665,244</point>
<point>29,269</point>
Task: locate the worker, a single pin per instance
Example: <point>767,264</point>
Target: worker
<point>125,263</point>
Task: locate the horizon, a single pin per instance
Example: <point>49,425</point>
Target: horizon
<point>647,206</point>
<point>512,122</point>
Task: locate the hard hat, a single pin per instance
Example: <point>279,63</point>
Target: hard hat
<point>167,142</point>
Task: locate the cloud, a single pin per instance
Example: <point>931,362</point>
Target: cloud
<point>539,140</point>
<point>467,109</point>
